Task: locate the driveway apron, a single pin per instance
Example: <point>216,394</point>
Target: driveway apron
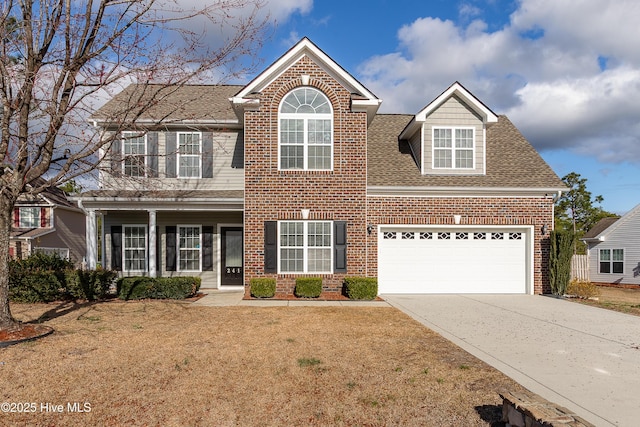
<point>584,358</point>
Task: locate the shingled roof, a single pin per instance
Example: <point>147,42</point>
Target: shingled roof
<point>511,160</point>
<point>600,226</point>
<point>173,104</point>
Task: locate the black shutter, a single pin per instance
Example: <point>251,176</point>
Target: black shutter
<point>116,158</point>
<point>170,244</point>
<point>171,148</point>
<point>158,251</point>
<point>152,154</point>
<point>116,247</point>
<point>207,155</point>
<point>340,246</point>
<point>207,248</point>
<point>270,246</point>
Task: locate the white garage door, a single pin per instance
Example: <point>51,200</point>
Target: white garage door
<point>453,260</point>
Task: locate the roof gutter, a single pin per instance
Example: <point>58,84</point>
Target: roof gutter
<point>552,192</point>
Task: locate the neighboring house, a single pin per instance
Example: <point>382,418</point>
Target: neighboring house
<point>613,249</point>
<point>296,174</point>
<point>48,222</point>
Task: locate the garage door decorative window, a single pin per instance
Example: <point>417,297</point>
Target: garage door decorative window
<point>426,236</point>
<point>408,235</point>
<point>389,235</point>
<point>497,236</point>
<point>479,236</point>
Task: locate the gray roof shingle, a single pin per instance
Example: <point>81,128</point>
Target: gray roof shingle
<point>600,226</point>
<point>190,102</point>
<point>511,160</point>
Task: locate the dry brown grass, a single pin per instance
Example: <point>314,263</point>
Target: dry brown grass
<point>173,364</point>
<point>617,299</point>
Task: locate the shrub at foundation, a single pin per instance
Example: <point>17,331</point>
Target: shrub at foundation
<point>582,289</point>
<point>361,288</point>
<point>263,287</point>
<point>157,288</point>
<point>308,287</point>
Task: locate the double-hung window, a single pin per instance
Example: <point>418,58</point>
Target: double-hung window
<point>134,152</point>
<point>453,148</point>
<point>29,217</point>
<point>305,246</point>
<point>611,261</point>
<point>190,154</point>
<point>189,247</point>
<point>306,131</point>
<point>135,248</point>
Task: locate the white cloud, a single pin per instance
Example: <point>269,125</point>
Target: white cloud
<point>543,69</point>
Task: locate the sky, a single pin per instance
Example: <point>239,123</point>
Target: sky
<point>567,73</point>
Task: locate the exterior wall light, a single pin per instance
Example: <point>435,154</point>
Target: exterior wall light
<point>370,228</point>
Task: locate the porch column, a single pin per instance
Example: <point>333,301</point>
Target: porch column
<point>91,239</point>
<point>152,243</point>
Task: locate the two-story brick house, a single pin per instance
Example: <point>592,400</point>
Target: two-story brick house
<point>296,173</point>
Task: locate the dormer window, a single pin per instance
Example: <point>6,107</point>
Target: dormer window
<point>306,131</point>
<point>453,148</point>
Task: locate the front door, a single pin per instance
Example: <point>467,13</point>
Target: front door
<point>232,250</point>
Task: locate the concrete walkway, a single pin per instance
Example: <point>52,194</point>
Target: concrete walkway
<point>584,358</point>
<point>216,298</point>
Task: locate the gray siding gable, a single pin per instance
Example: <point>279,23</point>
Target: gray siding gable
<point>623,234</point>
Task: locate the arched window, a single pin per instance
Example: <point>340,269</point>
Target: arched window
<point>306,131</point>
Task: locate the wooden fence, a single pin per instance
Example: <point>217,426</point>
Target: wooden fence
<point>580,267</point>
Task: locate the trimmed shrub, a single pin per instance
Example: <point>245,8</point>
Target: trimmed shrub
<point>582,289</point>
<point>308,287</point>
<point>90,284</point>
<point>361,288</point>
<point>157,288</point>
<point>262,287</point>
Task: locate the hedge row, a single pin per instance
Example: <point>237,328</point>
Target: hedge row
<point>129,288</point>
<point>47,278</point>
<point>357,288</point>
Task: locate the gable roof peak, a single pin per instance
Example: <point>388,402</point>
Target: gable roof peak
<point>456,89</point>
<point>365,101</point>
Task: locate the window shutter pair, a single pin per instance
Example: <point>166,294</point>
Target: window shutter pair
<point>171,239</point>
<point>271,246</point>
<point>172,155</point>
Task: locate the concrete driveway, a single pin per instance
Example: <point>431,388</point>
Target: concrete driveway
<point>584,358</point>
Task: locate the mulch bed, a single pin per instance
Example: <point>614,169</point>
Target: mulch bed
<point>325,296</point>
<point>23,332</point>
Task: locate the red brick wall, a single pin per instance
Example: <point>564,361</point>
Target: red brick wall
<point>474,211</point>
<point>338,195</point>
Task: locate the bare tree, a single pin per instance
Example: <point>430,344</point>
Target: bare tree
<point>62,58</point>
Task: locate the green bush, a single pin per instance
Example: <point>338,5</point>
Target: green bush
<point>361,288</point>
<point>308,287</point>
<point>38,278</point>
<point>263,287</point>
<point>90,284</point>
<point>560,252</point>
<point>157,288</point>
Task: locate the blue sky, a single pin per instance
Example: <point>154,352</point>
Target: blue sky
<point>567,73</point>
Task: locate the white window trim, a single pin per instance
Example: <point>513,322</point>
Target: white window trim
<point>178,247</point>
<point>611,260</point>
<point>305,117</point>
<point>37,217</point>
<point>178,155</point>
<point>144,156</point>
<point>305,247</point>
<point>453,148</point>
<point>124,247</point>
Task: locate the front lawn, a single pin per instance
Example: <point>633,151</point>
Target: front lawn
<point>175,364</point>
<point>625,300</point>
